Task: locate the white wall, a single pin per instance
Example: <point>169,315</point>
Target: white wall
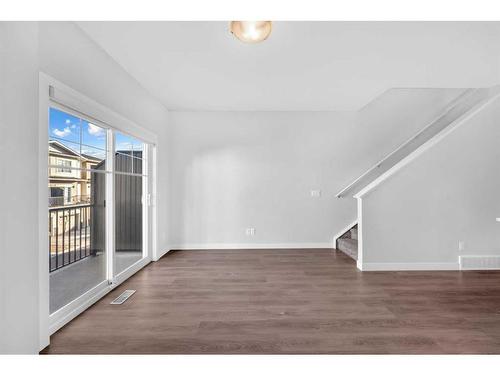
<point>18,187</point>
<point>233,170</point>
<point>447,194</point>
<point>62,50</point>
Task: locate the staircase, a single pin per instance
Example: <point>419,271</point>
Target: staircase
<point>456,112</point>
<point>348,243</point>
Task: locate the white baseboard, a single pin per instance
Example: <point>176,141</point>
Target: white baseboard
<point>359,265</point>
<point>251,246</point>
<point>161,253</point>
<point>408,266</point>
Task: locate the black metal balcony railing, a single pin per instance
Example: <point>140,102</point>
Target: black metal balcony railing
<point>64,201</point>
<point>69,235</point>
<point>77,226</point>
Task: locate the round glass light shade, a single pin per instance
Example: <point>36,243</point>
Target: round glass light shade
<point>251,31</point>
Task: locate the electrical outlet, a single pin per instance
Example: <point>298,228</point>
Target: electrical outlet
<point>250,231</point>
<point>461,245</point>
<point>315,193</point>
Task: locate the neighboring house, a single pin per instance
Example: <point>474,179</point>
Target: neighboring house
<point>69,175</point>
<point>76,197</point>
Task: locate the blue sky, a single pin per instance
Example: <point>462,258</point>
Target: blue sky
<point>85,137</point>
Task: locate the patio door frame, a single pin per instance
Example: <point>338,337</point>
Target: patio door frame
<point>53,93</point>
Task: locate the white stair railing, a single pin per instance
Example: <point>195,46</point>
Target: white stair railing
<point>456,109</point>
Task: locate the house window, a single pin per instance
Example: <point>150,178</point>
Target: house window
<point>65,166</point>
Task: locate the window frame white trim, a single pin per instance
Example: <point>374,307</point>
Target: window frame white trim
<point>53,93</point>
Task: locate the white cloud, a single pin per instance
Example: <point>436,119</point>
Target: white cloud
<point>62,133</point>
<point>68,121</point>
<point>95,130</point>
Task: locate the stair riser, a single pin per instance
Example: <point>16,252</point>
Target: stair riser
<point>354,234</point>
<point>348,247</point>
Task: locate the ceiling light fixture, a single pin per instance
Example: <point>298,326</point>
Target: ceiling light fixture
<point>251,31</point>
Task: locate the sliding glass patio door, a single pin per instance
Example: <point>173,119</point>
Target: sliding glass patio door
<point>98,207</point>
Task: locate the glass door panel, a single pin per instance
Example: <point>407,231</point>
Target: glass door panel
<point>76,208</point>
<point>129,189</point>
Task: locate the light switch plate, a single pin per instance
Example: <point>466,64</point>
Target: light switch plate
<point>315,193</point>
<point>250,231</point>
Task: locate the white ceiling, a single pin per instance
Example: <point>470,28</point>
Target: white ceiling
<point>303,65</point>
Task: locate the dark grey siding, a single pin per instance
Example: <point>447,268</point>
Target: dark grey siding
<point>98,211</point>
<point>128,205</point>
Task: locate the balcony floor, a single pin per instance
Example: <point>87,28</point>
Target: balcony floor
<point>73,280</point>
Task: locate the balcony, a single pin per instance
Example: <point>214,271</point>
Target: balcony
<point>77,260</point>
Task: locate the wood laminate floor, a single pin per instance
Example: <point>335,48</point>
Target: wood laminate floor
<point>288,301</point>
